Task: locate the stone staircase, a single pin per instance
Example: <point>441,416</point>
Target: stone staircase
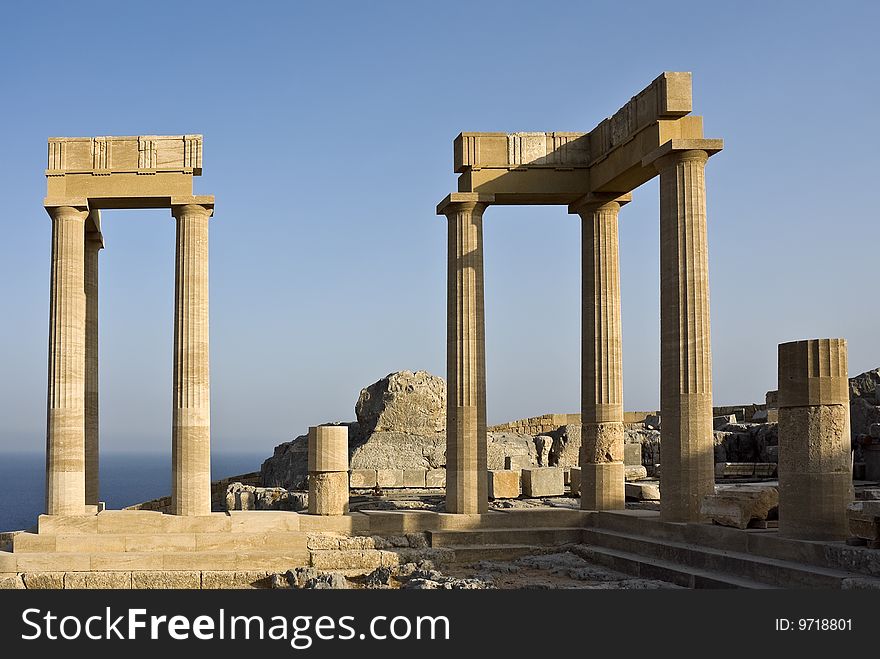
<point>690,555</point>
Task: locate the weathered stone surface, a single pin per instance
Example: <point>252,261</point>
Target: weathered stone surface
<point>566,447</point>
<point>414,477</point>
<point>435,478</point>
<point>632,455</point>
<point>166,580</point>
<point>249,497</point>
<point>11,582</point>
<point>865,385</point>
<point>44,580</point>
<point>502,445</point>
<point>365,478</point>
<point>603,442</point>
<point>405,402</point>
<point>642,491</point>
<point>543,444</point>
<point>504,484</point>
<point>97,580</point>
<point>574,480</point>
<point>543,482</point>
<point>235,580</point>
<point>864,520</point>
<point>518,462</point>
<point>634,473</point>
<point>328,493</point>
<point>351,559</point>
<point>389,477</point>
<point>737,506</point>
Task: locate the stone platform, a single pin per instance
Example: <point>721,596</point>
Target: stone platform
<point>145,549</point>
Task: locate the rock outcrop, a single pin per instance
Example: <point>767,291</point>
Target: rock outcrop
<point>401,424</point>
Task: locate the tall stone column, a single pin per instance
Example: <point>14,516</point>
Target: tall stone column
<point>467,489</point>
<point>65,436</point>
<point>93,244</point>
<point>686,442</point>
<point>191,432</point>
<point>601,460</point>
<point>815,465</point>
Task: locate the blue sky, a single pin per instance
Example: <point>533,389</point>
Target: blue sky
<point>328,134</point>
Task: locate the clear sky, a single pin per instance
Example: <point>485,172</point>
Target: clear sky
<point>328,134</point>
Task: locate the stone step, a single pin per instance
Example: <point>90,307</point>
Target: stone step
<point>765,543</point>
<point>645,567</point>
<point>131,522</point>
<point>472,553</point>
<point>773,572</point>
<point>154,561</point>
<point>512,536</point>
<point>409,521</point>
<point>148,542</point>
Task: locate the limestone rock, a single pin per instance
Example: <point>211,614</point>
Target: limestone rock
<point>737,506</point>
<point>864,386</point>
<point>11,582</point>
<point>166,580</point>
<point>543,482</point>
<point>44,580</point>
<point>502,445</point>
<point>403,402</point>
<point>543,443</point>
<point>643,491</point>
<point>504,484</point>
<point>864,520</point>
<point>566,446</point>
<point>635,472</point>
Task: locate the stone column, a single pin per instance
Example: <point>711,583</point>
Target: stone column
<point>686,441</point>
<point>191,431</point>
<point>602,470</point>
<point>65,436</point>
<point>328,470</point>
<point>93,244</point>
<point>467,489</point>
<point>815,468</point>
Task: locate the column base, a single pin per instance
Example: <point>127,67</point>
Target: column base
<point>603,486</point>
<point>328,493</point>
<point>812,506</point>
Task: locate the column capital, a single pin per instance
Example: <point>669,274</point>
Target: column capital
<point>456,200</point>
<point>184,204</point>
<point>66,211</point>
<point>595,200</point>
<point>682,149</point>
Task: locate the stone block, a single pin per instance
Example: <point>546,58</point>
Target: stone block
<point>719,422</point>
<point>44,580</point>
<point>745,469</point>
<point>190,580</point>
<point>365,478</point>
<point>517,462</point>
<point>97,580</point>
<point>634,472</point>
<point>632,455</point>
<point>349,559</point>
<point>574,481</point>
<point>414,478</point>
<point>602,486</point>
<point>328,448</point>
<point>737,506</point>
<point>11,581</point>
<point>504,484</point>
<point>144,542</point>
<point>543,482</point>
<point>642,491</point>
<point>254,521</point>
<point>389,477</point>
<point>435,478</point>
<point>864,520</point>
<point>328,493</point>
<point>237,580</point>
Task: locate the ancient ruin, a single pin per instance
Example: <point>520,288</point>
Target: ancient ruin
<point>418,492</point>
<point>85,176</point>
<point>593,174</point>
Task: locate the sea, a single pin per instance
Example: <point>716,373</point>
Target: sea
<point>126,479</point>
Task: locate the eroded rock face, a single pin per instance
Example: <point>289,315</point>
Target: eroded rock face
<point>403,402</point>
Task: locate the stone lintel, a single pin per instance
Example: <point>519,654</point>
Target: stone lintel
<point>80,203</point>
<point>93,227</point>
<point>463,197</point>
<point>710,145</point>
<point>106,155</point>
<point>597,199</point>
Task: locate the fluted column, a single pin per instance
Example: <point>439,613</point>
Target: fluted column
<point>467,489</point>
<point>601,459</point>
<point>191,432</point>
<point>93,244</point>
<point>65,436</point>
<point>686,443</point>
